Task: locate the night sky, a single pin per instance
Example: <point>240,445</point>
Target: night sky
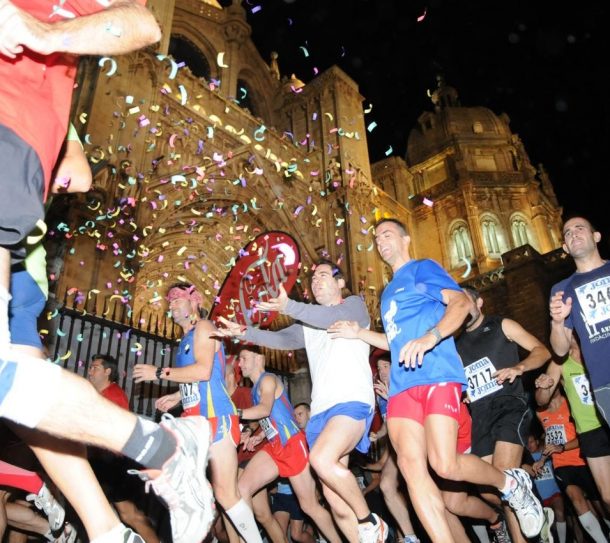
<point>539,62</point>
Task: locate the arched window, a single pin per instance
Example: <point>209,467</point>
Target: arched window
<point>244,97</point>
<point>519,230</point>
<point>490,236</point>
<point>184,51</point>
<point>461,245</point>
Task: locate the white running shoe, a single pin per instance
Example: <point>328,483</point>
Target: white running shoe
<point>68,534</point>
<point>373,533</point>
<point>45,501</point>
<point>182,483</point>
<point>546,535</point>
<point>524,503</point>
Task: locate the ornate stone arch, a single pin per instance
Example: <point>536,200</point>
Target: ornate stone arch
<point>460,247</point>
<point>521,230</point>
<point>494,237</point>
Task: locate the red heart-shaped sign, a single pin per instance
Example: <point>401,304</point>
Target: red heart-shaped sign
<point>271,259</point>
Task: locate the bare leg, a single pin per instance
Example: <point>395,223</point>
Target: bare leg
<point>409,440</point>
<point>259,472</point>
<point>304,488</point>
<point>136,519</point>
<point>600,469</point>
<point>329,459</point>
<point>342,513</point>
<point>506,456</point>
<point>394,499</point>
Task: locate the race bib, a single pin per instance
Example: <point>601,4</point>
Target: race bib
<point>545,473</point>
<point>583,388</point>
<point>268,429</point>
<point>189,394</point>
<point>480,380</point>
<point>594,300</point>
<point>555,435</point>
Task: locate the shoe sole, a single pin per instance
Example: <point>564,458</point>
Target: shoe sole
<point>524,479</point>
<point>549,518</point>
<point>201,490</point>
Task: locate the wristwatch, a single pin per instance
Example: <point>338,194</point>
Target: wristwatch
<point>436,333</point>
<point>159,373</point>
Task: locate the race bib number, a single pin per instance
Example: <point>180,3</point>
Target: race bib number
<point>583,388</point>
<point>189,394</point>
<point>545,473</point>
<point>268,429</point>
<point>480,380</point>
<point>555,435</point>
<point>594,300</point>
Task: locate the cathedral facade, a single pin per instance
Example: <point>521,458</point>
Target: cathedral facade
<point>192,162</point>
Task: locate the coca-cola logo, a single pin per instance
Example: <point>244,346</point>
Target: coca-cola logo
<point>271,259</point>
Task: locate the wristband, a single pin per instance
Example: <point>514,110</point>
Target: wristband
<point>436,333</point>
<point>159,373</point>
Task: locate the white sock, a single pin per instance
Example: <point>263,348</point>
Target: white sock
<point>592,526</point>
<point>243,519</point>
<point>562,531</point>
<point>112,536</point>
<point>481,532</point>
<point>5,335</point>
<point>509,485</point>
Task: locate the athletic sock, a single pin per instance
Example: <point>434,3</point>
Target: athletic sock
<point>369,518</point>
<point>149,444</point>
<point>112,536</point>
<point>562,531</point>
<point>243,519</point>
<point>509,485</point>
<point>592,526</point>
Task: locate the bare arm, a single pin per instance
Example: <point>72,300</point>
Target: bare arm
<point>204,346</point>
<point>538,353</point>
<point>561,336</point>
<point>546,383</point>
<point>73,173</point>
<point>457,307</point>
<point>124,26</point>
<point>268,390</point>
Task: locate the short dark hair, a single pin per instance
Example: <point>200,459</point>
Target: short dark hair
<point>401,226</point>
<point>108,362</point>
<point>570,217</point>
<point>472,292</point>
<point>337,272</point>
<point>303,404</point>
<point>251,348</point>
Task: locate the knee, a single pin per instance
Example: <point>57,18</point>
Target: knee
<point>445,467</point>
<point>388,486</point>
<point>320,462</point>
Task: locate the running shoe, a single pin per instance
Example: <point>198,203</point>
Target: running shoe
<point>181,483</point>
<point>546,535</point>
<point>45,501</point>
<point>499,534</point>
<point>68,534</point>
<point>373,533</point>
<point>410,539</point>
<point>524,503</point>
